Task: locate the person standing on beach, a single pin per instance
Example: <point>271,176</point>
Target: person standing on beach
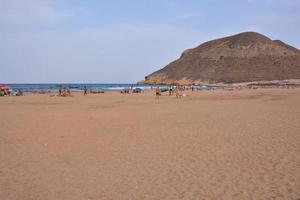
<point>170,91</point>
<point>177,93</point>
<point>157,92</point>
<point>85,90</point>
<point>68,92</point>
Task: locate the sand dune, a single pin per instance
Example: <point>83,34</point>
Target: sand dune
<point>208,145</point>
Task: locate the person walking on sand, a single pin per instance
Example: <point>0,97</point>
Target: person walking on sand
<point>170,91</point>
<point>85,90</point>
<point>69,92</point>
<point>64,92</point>
<point>157,93</point>
<point>177,93</point>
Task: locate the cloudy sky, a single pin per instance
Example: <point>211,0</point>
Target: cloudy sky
<point>121,41</point>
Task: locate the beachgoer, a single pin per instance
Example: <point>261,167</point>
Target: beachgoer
<point>157,92</point>
<point>177,93</point>
<point>68,92</point>
<point>170,91</point>
<point>59,92</point>
<point>85,91</point>
<point>19,93</point>
<point>64,93</point>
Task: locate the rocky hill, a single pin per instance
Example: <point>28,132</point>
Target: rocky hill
<point>244,57</point>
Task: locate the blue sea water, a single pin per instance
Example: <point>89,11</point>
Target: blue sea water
<point>73,86</point>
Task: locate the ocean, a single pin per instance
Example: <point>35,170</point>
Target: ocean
<point>74,86</point>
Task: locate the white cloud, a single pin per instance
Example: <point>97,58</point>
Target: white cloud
<point>29,12</point>
<point>253,28</point>
<point>185,16</point>
<point>285,1</point>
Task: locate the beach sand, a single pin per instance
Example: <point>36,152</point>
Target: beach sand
<point>208,145</point>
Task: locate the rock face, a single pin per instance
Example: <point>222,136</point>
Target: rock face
<point>244,57</point>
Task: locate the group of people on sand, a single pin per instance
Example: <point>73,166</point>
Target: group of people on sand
<point>5,93</point>
<point>125,91</point>
<point>64,92</point>
<point>178,91</point>
<point>17,92</point>
<point>131,90</point>
<point>91,91</point>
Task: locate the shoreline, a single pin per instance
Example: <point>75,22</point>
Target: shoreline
<point>78,87</point>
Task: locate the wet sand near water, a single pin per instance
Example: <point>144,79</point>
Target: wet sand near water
<point>208,145</point>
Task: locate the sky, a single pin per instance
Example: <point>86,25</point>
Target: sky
<point>122,41</point>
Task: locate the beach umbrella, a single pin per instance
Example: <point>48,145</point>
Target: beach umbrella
<point>5,87</point>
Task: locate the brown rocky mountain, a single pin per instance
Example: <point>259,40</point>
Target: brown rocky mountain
<point>244,57</point>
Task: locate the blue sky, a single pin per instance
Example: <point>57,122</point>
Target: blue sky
<point>121,41</point>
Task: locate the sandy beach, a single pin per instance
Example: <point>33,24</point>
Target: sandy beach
<point>208,145</point>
